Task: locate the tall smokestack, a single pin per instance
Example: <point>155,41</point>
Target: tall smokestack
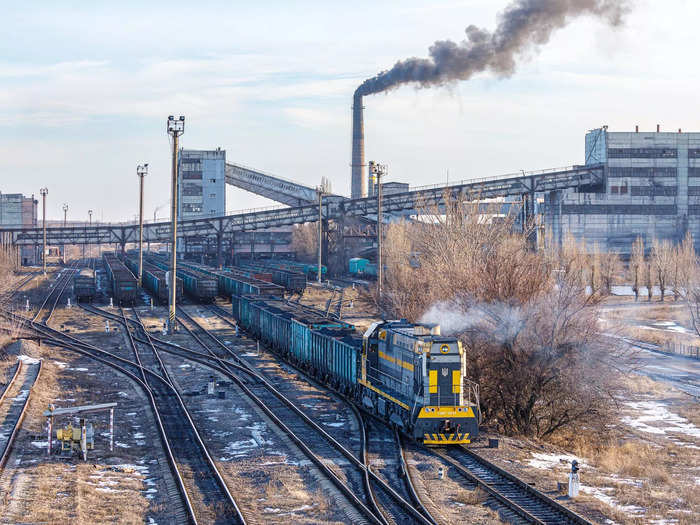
<point>358,184</point>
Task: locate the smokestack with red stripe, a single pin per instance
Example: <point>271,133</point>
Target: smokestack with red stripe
<point>358,183</point>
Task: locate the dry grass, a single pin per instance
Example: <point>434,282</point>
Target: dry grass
<point>471,497</point>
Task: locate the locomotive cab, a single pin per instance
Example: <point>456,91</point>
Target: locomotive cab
<point>448,415</point>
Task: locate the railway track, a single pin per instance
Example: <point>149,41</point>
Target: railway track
<point>193,461</point>
<point>524,503</point>
<point>183,446</point>
<point>13,405</point>
<point>52,298</point>
<point>383,447</point>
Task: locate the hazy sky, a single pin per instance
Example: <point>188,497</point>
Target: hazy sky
<point>85,89</point>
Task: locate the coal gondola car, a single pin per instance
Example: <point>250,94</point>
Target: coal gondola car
<point>84,285</point>
<point>292,281</point>
<point>122,281</point>
<point>405,373</point>
<point>198,285</point>
<point>155,280</point>
<point>236,283</point>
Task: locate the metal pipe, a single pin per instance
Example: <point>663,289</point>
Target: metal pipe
<point>44,192</point>
<point>175,128</point>
<point>141,171</point>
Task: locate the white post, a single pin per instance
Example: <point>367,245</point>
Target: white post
<point>111,429</point>
<point>107,326</point>
<point>49,424</point>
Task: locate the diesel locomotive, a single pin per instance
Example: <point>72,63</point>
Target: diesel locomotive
<point>406,374</point>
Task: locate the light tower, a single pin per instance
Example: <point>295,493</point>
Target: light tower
<point>141,171</point>
<point>44,192</point>
<point>65,215</point>
<point>175,127</point>
<point>90,219</point>
<point>320,193</point>
<point>378,171</point>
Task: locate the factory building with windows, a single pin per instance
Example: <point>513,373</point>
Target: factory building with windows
<point>202,183</point>
<point>18,210</point>
<point>651,190</point>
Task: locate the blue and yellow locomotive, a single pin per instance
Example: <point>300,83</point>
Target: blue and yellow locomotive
<point>414,378</point>
<point>407,374</point>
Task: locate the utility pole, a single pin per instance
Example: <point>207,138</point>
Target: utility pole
<point>44,192</point>
<point>90,247</point>
<point>141,171</point>
<point>379,170</point>
<point>319,190</point>
<point>175,127</point>
<point>65,214</point>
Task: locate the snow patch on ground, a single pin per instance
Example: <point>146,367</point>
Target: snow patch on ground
<point>79,369</point>
<point>649,412</point>
<point>602,495</point>
<point>548,461</point>
<point>22,395</point>
<point>28,360</point>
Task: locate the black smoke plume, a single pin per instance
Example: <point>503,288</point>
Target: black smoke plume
<point>522,26</point>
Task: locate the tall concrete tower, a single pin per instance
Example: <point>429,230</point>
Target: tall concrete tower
<point>359,180</point>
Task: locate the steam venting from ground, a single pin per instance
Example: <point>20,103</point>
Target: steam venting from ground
<point>523,26</point>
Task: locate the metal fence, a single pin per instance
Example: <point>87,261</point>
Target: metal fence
<point>681,349</point>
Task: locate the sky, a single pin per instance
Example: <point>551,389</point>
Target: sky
<point>86,88</point>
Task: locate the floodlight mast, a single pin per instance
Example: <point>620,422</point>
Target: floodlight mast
<point>141,171</point>
<point>175,128</point>
<point>43,192</point>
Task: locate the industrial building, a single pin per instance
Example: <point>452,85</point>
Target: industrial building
<point>651,189</point>
<point>202,183</point>
<point>18,210</point>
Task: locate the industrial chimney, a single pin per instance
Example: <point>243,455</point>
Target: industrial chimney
<point>358,185</point>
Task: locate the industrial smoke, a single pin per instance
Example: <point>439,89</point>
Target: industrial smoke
<point>523,25</point>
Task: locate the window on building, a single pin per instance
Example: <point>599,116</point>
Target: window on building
<point>212,195</point>
<point>623,190</point>
<point>642,153</point>
<point>191,190</point>
<point>212,180</point>
<point>613,190</point>
<point>191,208</point>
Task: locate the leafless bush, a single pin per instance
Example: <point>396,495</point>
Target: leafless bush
<point>305,241</point>
<point>525,318</point>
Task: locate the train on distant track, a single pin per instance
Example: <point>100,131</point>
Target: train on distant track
<point>122,281</point>
<point>84,285</point>
<point>405,373</point>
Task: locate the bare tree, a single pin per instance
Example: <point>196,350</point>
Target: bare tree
<point>662,254</point>
<point>305,241</point>
<point>683,265</point>
<point>636,265</point>
<point>610,267</point>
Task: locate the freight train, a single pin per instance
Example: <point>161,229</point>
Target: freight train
<point>84,285</point>
<point>198,285</point>
<point>122,281</point>
<point>155,280</point>
<point>406,374</point>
